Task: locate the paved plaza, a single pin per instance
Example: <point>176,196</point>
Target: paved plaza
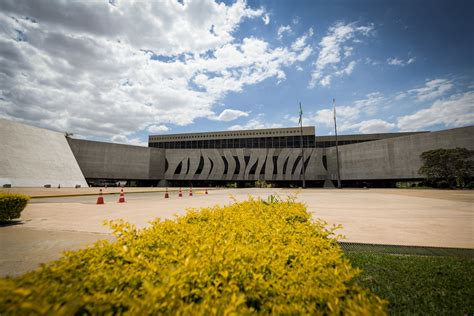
<point>48,226</point>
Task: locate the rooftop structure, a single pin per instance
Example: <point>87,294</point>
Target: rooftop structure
<point>261,138</point>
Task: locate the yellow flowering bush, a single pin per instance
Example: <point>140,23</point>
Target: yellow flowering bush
<point>11,205</point>
<point>245,258</point>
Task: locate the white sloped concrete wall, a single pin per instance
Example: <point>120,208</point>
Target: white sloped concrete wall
<point>33,157</point>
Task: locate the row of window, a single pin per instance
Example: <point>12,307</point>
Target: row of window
<point>263,142</point>
<point>268,142</point>
<point>158,138</point>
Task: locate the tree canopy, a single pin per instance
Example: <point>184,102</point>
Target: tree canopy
<point>451,165</point>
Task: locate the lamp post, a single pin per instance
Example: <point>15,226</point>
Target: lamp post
<point>303,168</point>
<point>337,148</point>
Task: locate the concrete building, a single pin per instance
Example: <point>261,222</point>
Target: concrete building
<point>34,157</point>
<point>273,155</point>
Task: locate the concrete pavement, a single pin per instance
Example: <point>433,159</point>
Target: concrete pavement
<point>435,218</point>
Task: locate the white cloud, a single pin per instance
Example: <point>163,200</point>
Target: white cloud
<point>335,49</point>
<point>255,123</point>
<point>346,71</point>
<point>166,28</point>
<point>122,139</point>
<point>300,42</point>
<point>370,61</point>
<point>158,128</point>
<point>400,62</point>
<point>282,30</point>
<point>372,126</point>
<point>101,70</point>
<point>348,116</point>
<point>455,111</point>
<point>266,19</point>
<point>229,115</point>
<point>432,89</point>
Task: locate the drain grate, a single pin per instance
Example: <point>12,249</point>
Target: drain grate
<point>408,250</point>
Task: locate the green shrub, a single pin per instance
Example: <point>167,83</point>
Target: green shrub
<point>11,205</point>
<point>249,257</point>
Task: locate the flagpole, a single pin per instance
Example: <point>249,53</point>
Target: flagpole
<point>337,148</point>
<point>303,169</point>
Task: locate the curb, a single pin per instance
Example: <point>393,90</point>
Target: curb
<point>103,193</point>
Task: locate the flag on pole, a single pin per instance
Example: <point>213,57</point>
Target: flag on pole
<point>334,108</point>
<point>301,115</point>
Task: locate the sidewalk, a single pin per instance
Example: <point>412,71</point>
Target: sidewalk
<point>55,192</point>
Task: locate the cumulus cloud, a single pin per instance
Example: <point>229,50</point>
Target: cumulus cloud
<point>282,30</point>
<point>123,139</point>
<point>255,123</point>
<point>400,62</point>
<point>432,89</point>
<point>229,115</point>
<point>158,128</point>
<point>266,19</point>
<point>104,71</point>
<point>335,50</point>
<point>372,126</point>
<point>166,28</point>
<point>363,115</point>
<point>455,111</point>
<point>348,116</point>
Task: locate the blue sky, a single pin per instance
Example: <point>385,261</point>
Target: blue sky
<point>121,71</point>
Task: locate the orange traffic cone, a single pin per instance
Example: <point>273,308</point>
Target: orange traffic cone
<point>100,198</point>
<point>166,194</point>
<point>190,191</point>
<point>205,192</point>
<point>180,193</point>
<point>122,197</point>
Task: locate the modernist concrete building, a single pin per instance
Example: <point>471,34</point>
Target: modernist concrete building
<point>216,158</point>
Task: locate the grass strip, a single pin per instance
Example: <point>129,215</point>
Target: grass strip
<point>418,285</point>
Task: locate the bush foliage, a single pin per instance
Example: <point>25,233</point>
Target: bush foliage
<point>449,165</point>
<point>245,258</point>
<point>11,205</point>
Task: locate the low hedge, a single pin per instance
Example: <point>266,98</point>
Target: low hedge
<point>245,258</point>
<point>11,205</point>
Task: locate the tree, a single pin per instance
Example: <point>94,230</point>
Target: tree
<point>450,165</point>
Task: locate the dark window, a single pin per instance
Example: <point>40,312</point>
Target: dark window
<point>325,162</point>
<point>166,165</point>
<point>275,164</point>
<point>262,171</point>
<point>226,165</point>
<point>201,165</point>
<point>237,165</point>
<point>212,165</point>
<point>246,159</point>
<point>187,170</point>
<point>296,164</point>
<point>178,168</point>
<point>254,168</point>
<point>306,163</point>
<point>285,164</point>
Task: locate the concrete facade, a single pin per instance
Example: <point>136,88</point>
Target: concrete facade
<point>393,158</point>
<point>243,164</point>
<point>100,160</point>
<point>34,157</point>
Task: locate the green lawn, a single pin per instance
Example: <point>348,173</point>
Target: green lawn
<point>418,284</point>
